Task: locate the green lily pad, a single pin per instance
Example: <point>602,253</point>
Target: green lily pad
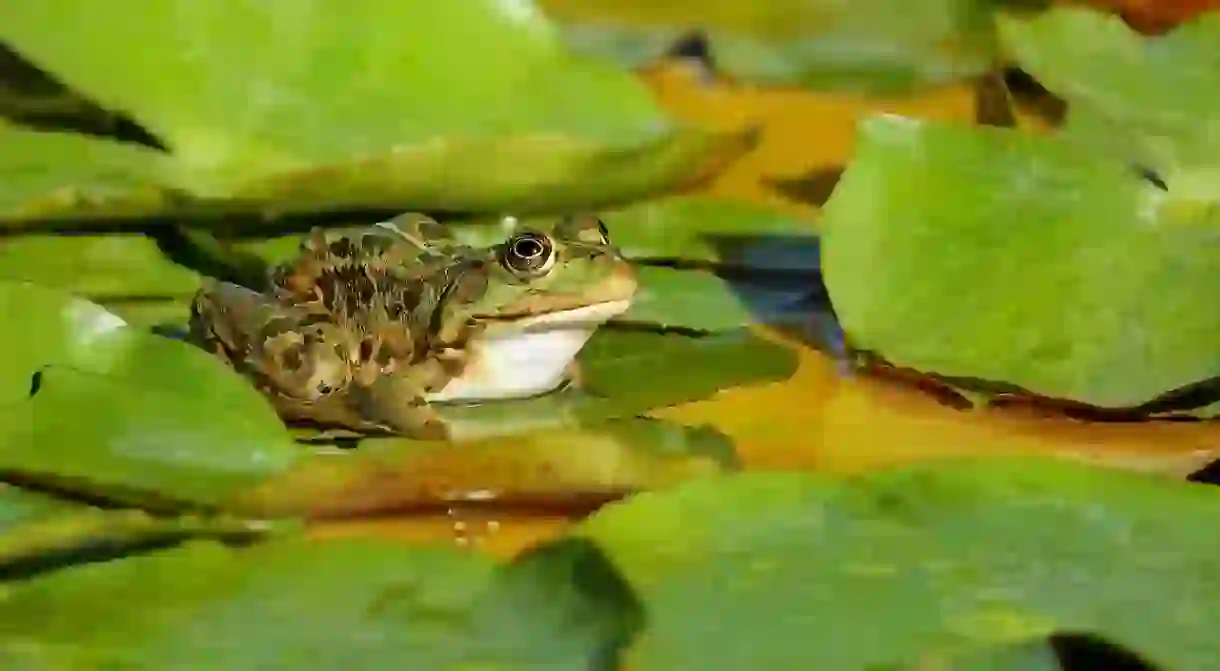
<point>552,467</point>
<point>97,266</point>
<point>1008,257</point>
<point>1148,99</point>
<point>871,572</point>
<point>686,299</point>
<point>646,370</point>
<point>878,46</point>
<point>307,605</point>
<point>41,531</point>
<point>45,172</point>
<point>91,401</point>
<point>351,104</point>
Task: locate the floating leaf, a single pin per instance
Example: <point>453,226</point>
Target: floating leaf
<point>40,531</point>
<point>548,467</point>
<point>43,173</point>
<point>1070,276</point>
<point>148,415</point>
<point>306,605</point>
<point>98,266</point>
<point>645,370</point>
<point>811,572</point>
<point>687,299</point>
<point>880,46</point>
<point>140,444</point>
<point>1150,99</point>
<point>351,104</point>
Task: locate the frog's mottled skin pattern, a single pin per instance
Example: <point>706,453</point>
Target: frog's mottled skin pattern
<point>365,324</point>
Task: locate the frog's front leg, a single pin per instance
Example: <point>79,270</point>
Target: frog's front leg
<point>301,360</point>
<point>397,401</point>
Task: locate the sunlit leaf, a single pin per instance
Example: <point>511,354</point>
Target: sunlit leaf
<point>810,572</point>
<point>305,605</point>
<point>548,466</point>
<point>98,266</point>
<point>1152,100</point>
<point>91,401</point>
<point>43,173</point>
<point>138,444</point>
<point>547,171</point>
<point>342,104</point>
<point>1069,276</point>
<point>875,45</point>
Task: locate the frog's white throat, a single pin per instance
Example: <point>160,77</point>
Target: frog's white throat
<point>528,356</point>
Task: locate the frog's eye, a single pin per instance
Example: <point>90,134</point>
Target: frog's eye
<point>530,254</point>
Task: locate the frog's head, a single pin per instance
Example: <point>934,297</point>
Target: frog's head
<point>564,276</point>
<point>541,294</point>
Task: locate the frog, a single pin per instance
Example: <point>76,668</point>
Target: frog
<point>369,328</point>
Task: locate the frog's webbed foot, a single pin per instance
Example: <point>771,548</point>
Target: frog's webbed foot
<point>397,403</point>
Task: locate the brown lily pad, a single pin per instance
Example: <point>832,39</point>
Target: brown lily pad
<point>558,469</point>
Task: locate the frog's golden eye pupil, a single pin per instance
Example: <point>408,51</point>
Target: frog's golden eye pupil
<point>529,253</point>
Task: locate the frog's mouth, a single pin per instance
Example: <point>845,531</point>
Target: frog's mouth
<point>526,356</point>
<point>562,319</point>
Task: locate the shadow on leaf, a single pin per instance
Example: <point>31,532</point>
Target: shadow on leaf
<point>814,187</point>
